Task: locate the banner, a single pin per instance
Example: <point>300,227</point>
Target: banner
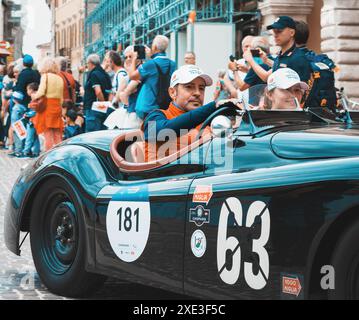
<point>20,129</point>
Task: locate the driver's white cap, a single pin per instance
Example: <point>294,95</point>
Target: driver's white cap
<point>285,78</point>
<point>188,73</point>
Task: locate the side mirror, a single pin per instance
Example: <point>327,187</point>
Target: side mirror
<point>221,126</point>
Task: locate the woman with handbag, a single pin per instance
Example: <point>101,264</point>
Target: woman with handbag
<point>49,98</point>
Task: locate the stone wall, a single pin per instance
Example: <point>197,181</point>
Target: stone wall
<point>2,9</point>
<point>340,40</point>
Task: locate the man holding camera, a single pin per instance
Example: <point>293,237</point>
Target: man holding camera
<point>251,79</point>
<point>149,75</point>
<point>284,30</point>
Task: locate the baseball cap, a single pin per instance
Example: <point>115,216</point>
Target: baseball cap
<point>28,60</point>
<point>18,96</point>
<point>285,78</point>
<point>282,22</point>
<point>188,73</point>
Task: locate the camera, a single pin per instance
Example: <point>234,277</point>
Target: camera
<point>233,58</point>
<point>255,53</point>
<point>141,50</point>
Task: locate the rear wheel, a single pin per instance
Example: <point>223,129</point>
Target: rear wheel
<point>345,261</point>
<point>58,241</point>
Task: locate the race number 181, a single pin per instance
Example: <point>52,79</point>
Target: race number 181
<point>125,219</point>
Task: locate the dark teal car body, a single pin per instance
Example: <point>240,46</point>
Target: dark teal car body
<point>294,185</point>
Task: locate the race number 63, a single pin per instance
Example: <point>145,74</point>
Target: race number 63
<point>230,273</point>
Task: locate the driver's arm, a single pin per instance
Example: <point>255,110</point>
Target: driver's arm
<point>157,121</point>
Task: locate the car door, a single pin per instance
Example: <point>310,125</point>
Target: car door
<point>140,223</point>
<point>228,225</point>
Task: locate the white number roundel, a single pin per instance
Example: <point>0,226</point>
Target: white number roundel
<point>224,244</point>
<point>128,228</point>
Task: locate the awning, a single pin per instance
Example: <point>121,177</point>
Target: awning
<point>4,52</point>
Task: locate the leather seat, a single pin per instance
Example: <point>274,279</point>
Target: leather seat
<point>130,157</point>
<point>137,150</point>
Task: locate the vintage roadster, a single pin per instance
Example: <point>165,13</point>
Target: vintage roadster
<point>268,209</point>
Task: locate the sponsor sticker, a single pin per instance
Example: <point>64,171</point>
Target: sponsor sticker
<point>291,285</point>
<point>198,243</point>
<point>202,194</point>
<point>199,215</point>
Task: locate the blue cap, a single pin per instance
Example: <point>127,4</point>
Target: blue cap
<point>283,22</point>
<point>28,60</point>
<point>18,96</point>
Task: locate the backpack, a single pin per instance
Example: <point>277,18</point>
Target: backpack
<point>69,88</point>
<point>163,97</point>
<point>322,82</point>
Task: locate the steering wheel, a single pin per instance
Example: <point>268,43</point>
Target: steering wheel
<point>228,109</point>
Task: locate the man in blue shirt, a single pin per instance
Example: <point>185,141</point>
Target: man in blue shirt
<point>27,76</point>
<point>148,74</point>
<point>251,79</point>
<point>97,88</point>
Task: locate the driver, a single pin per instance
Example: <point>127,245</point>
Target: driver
<point>285,90</point>
<point>183,118</point>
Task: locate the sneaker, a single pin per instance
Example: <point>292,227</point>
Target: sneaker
<point>34,155</point>
<point>24,156</point>
<point>14,154</point>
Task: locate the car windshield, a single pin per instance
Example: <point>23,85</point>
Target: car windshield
<point>277,108</point>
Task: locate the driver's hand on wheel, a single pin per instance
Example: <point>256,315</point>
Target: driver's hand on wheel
<point>231,102</point>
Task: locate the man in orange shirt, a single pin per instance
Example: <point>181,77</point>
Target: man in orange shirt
<point>183,118</point>
<point>69,81</point>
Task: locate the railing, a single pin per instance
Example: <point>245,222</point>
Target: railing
<point>128,21</point>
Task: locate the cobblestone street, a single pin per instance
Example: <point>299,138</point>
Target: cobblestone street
<point>18,277</point>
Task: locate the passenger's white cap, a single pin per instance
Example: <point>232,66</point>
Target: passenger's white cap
<point>285,78</point>
<point>188,73</point>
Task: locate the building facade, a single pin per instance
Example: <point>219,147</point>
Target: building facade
<point>45,50</point>
<point>10,27</point>
<point>2,15</point>
<point>68,31</point>
<point>334,27</point>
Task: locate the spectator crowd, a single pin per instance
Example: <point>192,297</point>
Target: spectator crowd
<point>43,105</point>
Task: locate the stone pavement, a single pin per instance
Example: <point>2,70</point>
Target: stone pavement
<point>18,277</point>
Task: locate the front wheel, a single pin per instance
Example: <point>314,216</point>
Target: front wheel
<point>57,236</point>
<point>345,261</point>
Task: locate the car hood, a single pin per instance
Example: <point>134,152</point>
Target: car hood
<point>317,143</point>
<point>98,140</point>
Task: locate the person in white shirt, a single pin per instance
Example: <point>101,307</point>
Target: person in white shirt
<point>243,69</point>
<point>120,74</point>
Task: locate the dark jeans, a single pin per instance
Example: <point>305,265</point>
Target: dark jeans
<point>2,131</point>
<point>94,121</point>
<point>32,142</point>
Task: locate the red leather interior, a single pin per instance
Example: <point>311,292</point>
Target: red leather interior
<point>127,152</point>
